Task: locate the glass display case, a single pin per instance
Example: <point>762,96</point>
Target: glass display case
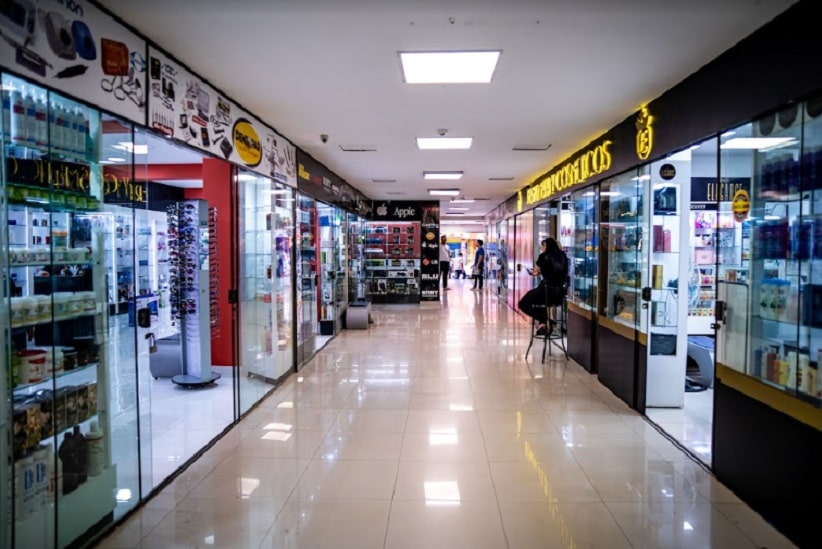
<point>582,254</point>
<point>55,411</point>
<point>783,323</point>
<point>307,276</point>
<point>332,281</point>
<point>355,231</point>
<point>622,233</point>
<point>392,261</point>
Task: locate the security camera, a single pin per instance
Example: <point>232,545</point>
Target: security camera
<point>324,137</point>
<point>442,131</point>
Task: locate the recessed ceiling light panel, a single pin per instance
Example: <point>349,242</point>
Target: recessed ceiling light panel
<point>444,192</point>
<point>443,143</point>
<point>450,176</point>
<point>449,67</point>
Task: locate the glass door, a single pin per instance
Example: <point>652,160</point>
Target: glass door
<point>621,278</point>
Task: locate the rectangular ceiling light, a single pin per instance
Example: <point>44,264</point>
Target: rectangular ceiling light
<point>131,148</point>
<point>451,176</point>
<point>442,143</point>
<point>444,192</point>
<point>453,209</point>
<point>449,67</point>
<point>756,142</point>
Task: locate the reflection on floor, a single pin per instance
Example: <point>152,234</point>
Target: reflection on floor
<point>690,425</point>
<point>175,422</point>
<point>430,430</point>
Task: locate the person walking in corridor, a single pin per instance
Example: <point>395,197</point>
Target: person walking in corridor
<point>478,270</point>
<point>445,262</point>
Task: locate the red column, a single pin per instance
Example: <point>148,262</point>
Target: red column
<point>217,192</point>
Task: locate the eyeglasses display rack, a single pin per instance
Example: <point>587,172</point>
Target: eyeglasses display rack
<point>189,289</point>
<point>55,422</point>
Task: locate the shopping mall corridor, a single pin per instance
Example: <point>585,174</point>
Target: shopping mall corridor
<point>430,430</point>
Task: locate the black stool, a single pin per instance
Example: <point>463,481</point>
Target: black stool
<point>559,316</point>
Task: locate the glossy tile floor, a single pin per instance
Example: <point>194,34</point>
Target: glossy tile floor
<point>690,425</point>
<point>429,430</point>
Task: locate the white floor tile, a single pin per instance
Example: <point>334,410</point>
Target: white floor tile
<point>429,429</point>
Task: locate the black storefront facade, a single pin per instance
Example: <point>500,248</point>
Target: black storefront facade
<point>767,410</point>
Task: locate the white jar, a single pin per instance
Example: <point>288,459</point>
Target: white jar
<point>89,302</point>
<point>29,307</point>
<point>54,361</point>
<point>40,255</point>
<point>75,304</point>
<point>18,317</point>
<point>43,305</point>
<point>61,305</point>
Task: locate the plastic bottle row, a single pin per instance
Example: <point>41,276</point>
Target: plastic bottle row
<point>30,121</point>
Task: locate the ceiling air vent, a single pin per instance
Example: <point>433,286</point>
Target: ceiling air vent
<point>500,179</point>
<point>359,148</point>
<point>532,147</point>
<point>383,181</point>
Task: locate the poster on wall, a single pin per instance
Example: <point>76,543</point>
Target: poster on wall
<point>75,47</point>
<point>182,106</point>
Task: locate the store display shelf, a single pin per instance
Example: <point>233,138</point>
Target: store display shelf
<point>30,323</point>
<point>57,200</point>
<point>46,262</point>
<point>46,382</point>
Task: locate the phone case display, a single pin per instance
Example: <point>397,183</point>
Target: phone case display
<point>190,288</point>
<point>624,230</point>
<point>332,279</point>
<point>307,230</point>
<point>582,253</point>
<point>55,330</point>
<point>392,261</point>
<point>356,273</point>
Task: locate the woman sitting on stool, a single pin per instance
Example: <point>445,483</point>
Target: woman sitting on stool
<point>552,264</point>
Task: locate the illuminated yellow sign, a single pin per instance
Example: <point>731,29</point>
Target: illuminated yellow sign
<point>519,200</point>
<point>588,164</point>
<point>644,134</point>
<point>741,205</point>
<point>247,143</point>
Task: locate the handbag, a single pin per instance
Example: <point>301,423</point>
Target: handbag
<point>476,270</point>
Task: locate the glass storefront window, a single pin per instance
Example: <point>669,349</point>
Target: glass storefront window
<point>582,254</point>
<point>621,232</point>
<point>266,226</point>
<point>60,355</point>
<point>780,331</point>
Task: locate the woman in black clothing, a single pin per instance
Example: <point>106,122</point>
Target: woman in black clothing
<point>552,264</point>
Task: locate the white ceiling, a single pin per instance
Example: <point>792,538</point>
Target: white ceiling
<point>569,71</point>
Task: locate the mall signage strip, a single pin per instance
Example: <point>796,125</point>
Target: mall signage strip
<point>318,181</point>
<point>182,106</point>
<point>77,48</point>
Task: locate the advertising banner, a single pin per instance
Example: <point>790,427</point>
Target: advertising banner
<point>182,106</point>
<point>73,46</point>
<point>430,264</point>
